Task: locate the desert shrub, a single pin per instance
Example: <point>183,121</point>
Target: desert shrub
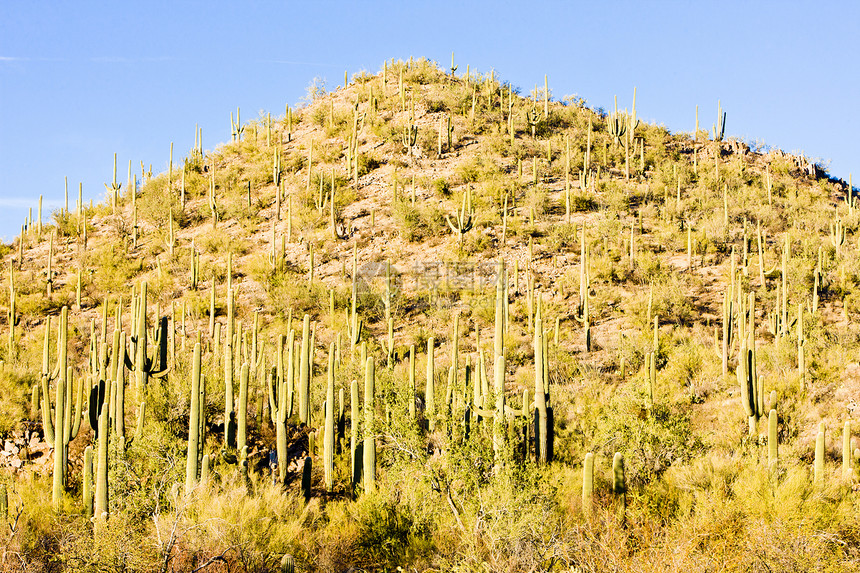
<point>17,386</point>
<point>441,187</point>
<point>113,269</point>
<point>367,163</point>
<point>651,439</point>
<point>156,202</point>
<point>418,222</point>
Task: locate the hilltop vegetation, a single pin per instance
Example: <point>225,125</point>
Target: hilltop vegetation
<point>551,339</point>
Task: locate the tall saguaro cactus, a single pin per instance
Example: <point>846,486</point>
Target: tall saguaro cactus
<point>587,483</point>
<point>430,388</point>
<point>369,438</point>
<point>143,366</point>
<point>280,402</point>
<point>242,418</point>
<point>751,386</point>
<point>619,483</point>
<point>66,422</point>
<point>60,410</point>
<point>228,367</point>
<point>541,417</point>
<point>464,218</point>
<point>193,424</point>
<point>328,444</point>
<point>305,371</point>
<point>101,502</point>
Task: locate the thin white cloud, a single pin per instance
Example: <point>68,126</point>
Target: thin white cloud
<point>26,202</point>
<point>124,60</point>
<point>294,63</point>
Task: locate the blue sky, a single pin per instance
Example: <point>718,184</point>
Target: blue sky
<point>80,81</point>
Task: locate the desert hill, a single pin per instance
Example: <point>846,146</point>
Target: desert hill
<point>688,305</point>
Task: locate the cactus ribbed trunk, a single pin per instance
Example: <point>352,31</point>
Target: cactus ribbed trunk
<point>88,482</point>
<point>228,367</point>
<point>818,473</point>
<point>193,424</point>
<point>499,431</point>
<point>772,438</point>
<point>305,372</point>
<point>541,446</point>
<point>355,466</point>
<point>119,418</point>
<point>242,419</point>
<point>60,439</point>
<point>619,483</point>
<point>369,439</point>
<point>499,334</point>
<point>412,381</point>
<point>328,444</point>
<point>101,502</point>
<point>587,483</point>
<point>140,342</point>
<point>306,478</point>
<point>204,471</point>
<point>430,390</point>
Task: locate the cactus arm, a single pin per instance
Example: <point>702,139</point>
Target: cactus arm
<point>128,362</point>
<point>454,229</point>
<point>47,416</point>
<point>79,400</point>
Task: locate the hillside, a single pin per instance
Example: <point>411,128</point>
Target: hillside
<point>640,345</point>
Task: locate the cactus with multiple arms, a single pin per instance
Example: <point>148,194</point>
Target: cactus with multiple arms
<point>720,127</point>
<point>465,218</point>
<point>144,366</point>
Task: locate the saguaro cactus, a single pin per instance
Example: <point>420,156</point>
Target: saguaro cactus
<point>541,421</point>
<point>306,478</point>
<point>719,127</point>
<point>464,221</point>
<point>587,483</point>
<point>430,388</point>
<point>818,468</point>
<point>242,418</point>
<point>305,374</point>
<point>619,483</point>
<point>369,438</point>
<point>88,482</point>
<point>143,366</point>
<point>409,138</point>
<point>751,386</point>
<point>772,443</point>
<point>354,447</point>
<point>67,422</point>
<point>328,446</point>
<point>616,124</point>
<point>193,424</point>
<point>280,403</point>
<point>101,502</point>
<point>846,450</point>
<point>228,367</point>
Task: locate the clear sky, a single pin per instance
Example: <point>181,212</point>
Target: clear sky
<point>80,81</point>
